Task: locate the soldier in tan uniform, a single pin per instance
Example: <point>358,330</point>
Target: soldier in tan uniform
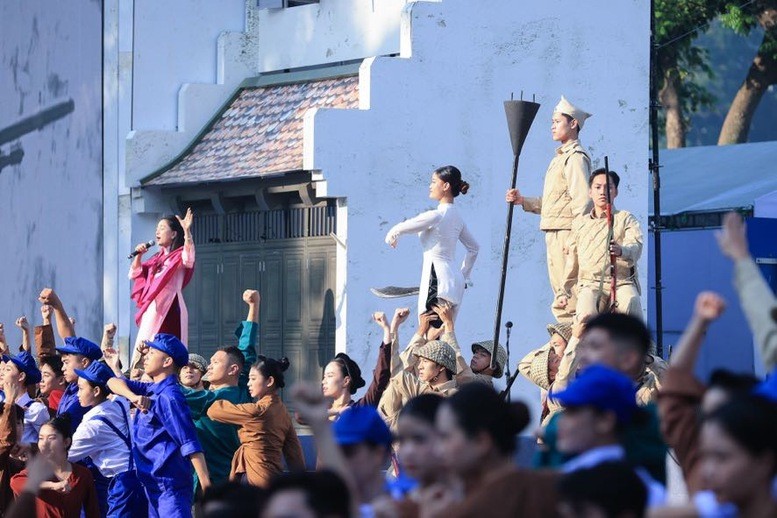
<point>588,260</point>
<point>564,195</point>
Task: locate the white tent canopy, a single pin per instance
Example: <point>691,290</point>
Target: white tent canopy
<point>715,178</point>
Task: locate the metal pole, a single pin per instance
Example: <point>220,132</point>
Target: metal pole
<point>654,168</point>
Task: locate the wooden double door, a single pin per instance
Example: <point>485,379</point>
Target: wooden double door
<point>296,280</point>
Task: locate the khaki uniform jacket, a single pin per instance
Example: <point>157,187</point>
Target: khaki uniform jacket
<point>588,250</point>
<point>565,193</point>
<point>266,432</point>
<point>757,302</point>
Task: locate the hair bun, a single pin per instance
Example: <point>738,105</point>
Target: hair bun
<point>284,364</point>
<point>464,187</point>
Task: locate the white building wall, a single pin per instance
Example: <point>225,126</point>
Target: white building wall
<point>51,202</point>
<point>442,104</point>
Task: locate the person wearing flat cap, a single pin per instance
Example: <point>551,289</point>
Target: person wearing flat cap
<point>434,372</point>
<point>77,353</point>
<point>541,365</point>
<point>564,195</point>
<point>599,404</point>
<point>104,437</point>
<point>166,445</point>
<point>18,373</point>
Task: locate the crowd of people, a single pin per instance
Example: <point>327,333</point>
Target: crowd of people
<point>174,433</point>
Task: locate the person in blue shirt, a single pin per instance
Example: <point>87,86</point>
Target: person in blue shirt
<point>104,436</point>
<point>77,353</point>
<point>228,377</point>
<point>166,444</point>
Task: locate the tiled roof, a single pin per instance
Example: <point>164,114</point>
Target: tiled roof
<point>260,133</point>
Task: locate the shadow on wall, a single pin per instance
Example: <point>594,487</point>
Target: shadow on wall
<point>27,125</point>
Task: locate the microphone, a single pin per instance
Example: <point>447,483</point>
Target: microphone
<point>148,245</point>
<point>508,324</point>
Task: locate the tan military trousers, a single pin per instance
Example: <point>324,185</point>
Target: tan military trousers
<point>591,301</point>
<point>555,245</point>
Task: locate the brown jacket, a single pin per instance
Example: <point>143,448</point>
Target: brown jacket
<point>678,408</point>
<point>266,431</point>
<point>509,493</point>
<point>8,466</point>
<point>565,193</point>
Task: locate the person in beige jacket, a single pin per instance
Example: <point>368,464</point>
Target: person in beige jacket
<point>564,195</point>
<point>588,262</point>
<point>541,365</point>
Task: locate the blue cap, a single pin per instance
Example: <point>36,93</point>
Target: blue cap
<point>97,373</point>
<point>82,346</point>
<point>768,387</point>
<point>171,346</point>
<point>603,388</point>
<point>26,364</point>
<point>361,424</point>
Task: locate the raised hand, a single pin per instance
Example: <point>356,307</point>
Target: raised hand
<point>45,313</point>
<point>143,403</point>
<point>709,306</point>
<point>109,330</point>
<point>49,296</point>
<point>732,238</point>
<point>22,323</point>
<point>186,221</point>
<point>380,318</point>
<point>309,403</point>
<point>3,346</point>
<point>251,297</point>
<point>112,359</point>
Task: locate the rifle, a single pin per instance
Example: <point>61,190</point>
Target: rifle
<point>613,303</point>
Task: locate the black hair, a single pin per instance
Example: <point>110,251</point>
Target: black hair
<point>270,367</point>
<point>176,227</point>
<point>623,329</point>
<point>104,392</point>
<point>325,492</point>
<point>452,175</point>
<point>733,383</point>
<point>569,119</point>
<point>423,407</point>
<point>751,421</point>
<point>350,368</point>
<point>614,177</point>
<point>54,362</point>
<point>478,408</point>
<point>63,425</point>
<point>614,487</point>
<point>233,499</point>
<point>236,356</point>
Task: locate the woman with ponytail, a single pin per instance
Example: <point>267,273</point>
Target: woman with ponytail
<point>266,430</point>
<point>439,230</point>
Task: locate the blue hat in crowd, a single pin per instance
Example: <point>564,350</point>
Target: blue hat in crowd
<point>768,387</point>
<point>82,346</point>
<point>171,346</point>
<point>603,388</point>
<point>26,364</point>
<point>97,373</point>
<point>359,424</point>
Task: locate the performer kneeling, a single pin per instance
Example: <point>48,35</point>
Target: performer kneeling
<point>439,230</point>
<point>589,255</point>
